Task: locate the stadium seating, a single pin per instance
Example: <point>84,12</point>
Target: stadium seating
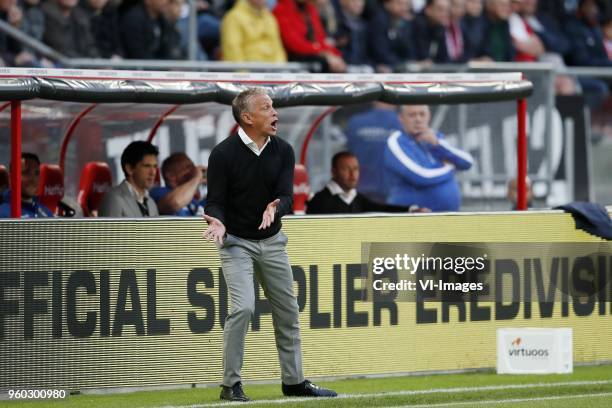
<point>301,189</point>
<point>51,186</point>
<point>96,180</point>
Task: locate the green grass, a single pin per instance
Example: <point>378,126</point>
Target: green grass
<point>570,395</point>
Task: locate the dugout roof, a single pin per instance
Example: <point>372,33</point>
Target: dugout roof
<point>92,86</point>
<point>139,95</point>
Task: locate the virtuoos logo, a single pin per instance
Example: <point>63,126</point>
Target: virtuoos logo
<point>518,351</point>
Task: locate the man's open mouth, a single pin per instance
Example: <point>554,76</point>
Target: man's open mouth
<point>274,123</point>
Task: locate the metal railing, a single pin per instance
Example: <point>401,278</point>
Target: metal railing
<point>30,42</point>
<point>210,66</point>
<point>595,72</point>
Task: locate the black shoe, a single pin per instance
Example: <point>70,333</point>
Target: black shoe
<point>307,389</point>
<point>233,393</point>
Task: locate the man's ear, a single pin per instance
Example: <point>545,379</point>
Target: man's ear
<point>129,169</point>
<point>246,118</point>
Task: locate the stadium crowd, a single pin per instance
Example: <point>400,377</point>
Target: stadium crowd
<point>342,35</point>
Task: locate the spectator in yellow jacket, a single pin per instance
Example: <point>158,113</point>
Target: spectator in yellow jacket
<point>249,32</point>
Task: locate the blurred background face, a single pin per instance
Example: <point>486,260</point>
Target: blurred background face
<point>499,9</point>
<point>353,7</point>
<point>30,174</point>
<point>173,10</point>
<point>457,9</point>
<point>607,30</point>
<point>5,5</point>
<point>157,6</point>
<point>439,12</point>
<point>590,10</point>
<point>516,6</point>
<point>258,4</point>
<point>346,172</point>
<point>415,118</point>
<point>473,7</point>
<point>97,4</point>
<point>529,7</point>
<point>398,8</point>
<point>68,4</point>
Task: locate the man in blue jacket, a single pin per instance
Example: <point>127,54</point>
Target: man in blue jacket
<point>420,165</point>
<point>30,206</point>
<point>367,133</point>
<point>180,195</point>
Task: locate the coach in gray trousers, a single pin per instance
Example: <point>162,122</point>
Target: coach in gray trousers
<point>250,187</point>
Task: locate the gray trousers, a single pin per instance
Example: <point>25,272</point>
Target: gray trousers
<point>268,259</point>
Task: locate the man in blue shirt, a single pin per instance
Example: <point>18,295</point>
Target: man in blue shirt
<point>420,165</point>
<point>183,180</point>
<point>30,206</point>
<point>367,134</point>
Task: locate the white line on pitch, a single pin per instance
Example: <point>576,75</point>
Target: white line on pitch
<point>402,393</point>
<point>505,401</point>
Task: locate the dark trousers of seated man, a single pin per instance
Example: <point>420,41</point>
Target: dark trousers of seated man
<point>268,260</point>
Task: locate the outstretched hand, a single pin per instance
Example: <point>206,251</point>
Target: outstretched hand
<point>215,231</point>
<point>269,214</point>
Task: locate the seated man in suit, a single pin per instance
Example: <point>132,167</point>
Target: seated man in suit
<point>340,195</point>
<point>131,197</point>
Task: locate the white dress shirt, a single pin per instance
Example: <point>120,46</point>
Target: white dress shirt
<point>136,194</point>
<point>250,143</point>
<point>346,196</point>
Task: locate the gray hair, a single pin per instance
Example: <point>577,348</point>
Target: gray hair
<point>400,108</point>
<point>242,102</point>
